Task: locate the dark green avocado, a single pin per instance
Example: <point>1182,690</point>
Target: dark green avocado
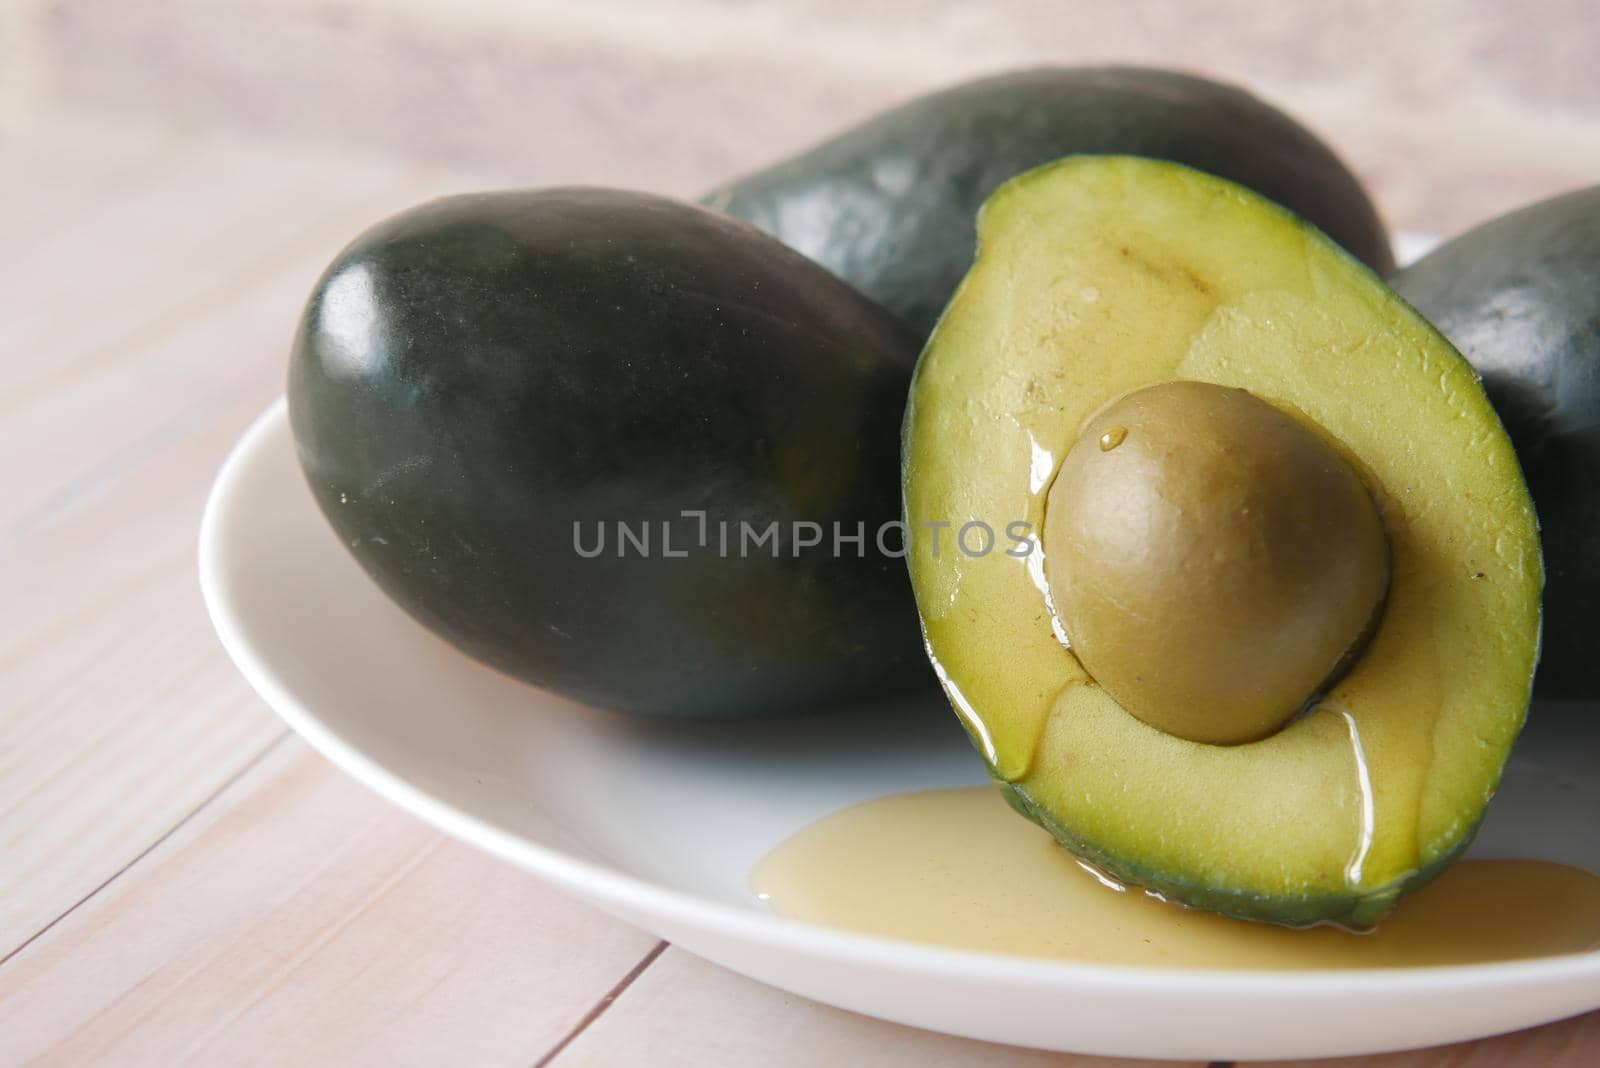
<point>1520,297</point>
<point>889,205</point>
<point>482,388</point>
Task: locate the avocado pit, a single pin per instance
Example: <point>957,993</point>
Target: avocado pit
<point>1214,562</point>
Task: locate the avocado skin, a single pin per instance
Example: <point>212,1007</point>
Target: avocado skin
<point>889,205</point>
<point>1355,911</point>
<point>475,376</point>
<point>1520,297</point>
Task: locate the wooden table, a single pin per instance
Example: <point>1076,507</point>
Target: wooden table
<point>181,880</point>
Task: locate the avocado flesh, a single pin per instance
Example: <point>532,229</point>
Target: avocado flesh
<point>888,205</point>
<point>1520,297</point>
<point>1097,276</point>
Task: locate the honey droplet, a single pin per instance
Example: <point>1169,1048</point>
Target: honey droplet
<point>1112,438</point>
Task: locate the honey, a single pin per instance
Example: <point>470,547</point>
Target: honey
<point>958,868</point>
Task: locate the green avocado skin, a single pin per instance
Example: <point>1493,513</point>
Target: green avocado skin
<point>1355,911</point>
<point>889,205</point>
<point>480,382</point>
<point>1520,297</point>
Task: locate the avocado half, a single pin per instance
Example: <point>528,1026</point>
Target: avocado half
<point>1520,297</point>
<point>1097,277</point>
<point>888,205</point>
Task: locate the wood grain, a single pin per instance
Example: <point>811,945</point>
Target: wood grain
<point>145,327</point>
<point>301,920</point>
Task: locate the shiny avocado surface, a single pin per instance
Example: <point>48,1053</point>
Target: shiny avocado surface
<point>484,386</point>
<point>1520,297</point>
<point>889,205</point>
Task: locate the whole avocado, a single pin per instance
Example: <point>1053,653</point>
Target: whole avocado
<point>484,387</point>
<point>1520,297</point>
<point>889,205</point>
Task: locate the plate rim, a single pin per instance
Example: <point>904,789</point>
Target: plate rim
<point>630,896</point>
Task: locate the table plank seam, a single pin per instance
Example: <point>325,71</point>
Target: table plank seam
<point>244,770</point>
<point>602,1005</point>
<point>221,1022</point>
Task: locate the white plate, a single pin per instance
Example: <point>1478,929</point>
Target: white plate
<point>660,823</point>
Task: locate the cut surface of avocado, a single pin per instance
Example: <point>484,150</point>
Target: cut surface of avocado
<point>1101,276</point>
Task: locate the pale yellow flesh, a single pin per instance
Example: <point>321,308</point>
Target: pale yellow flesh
<point>1097,276</point>
<point>957,868</point>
